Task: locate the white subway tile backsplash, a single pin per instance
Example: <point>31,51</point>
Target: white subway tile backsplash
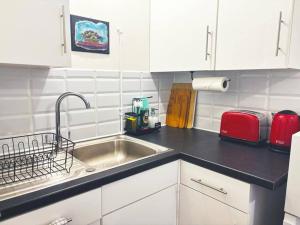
<point>42,73</point>
<point>150,84</point>
<point>14,106</point>
<point>108,85</point>
<point>105,115</point>
<point>205,97</point>
<point>81,73</point>
<point>47,87</point>
<point>278,103</point>
<point>108,128</point>
<point>74,103</point>
<point>15,125</point>
<point>127,98</point>
<point>253,101</point>
<point>108,100</point>
<point>83,132</point>
<point>82,117</point>
<point>203,122</point>
<point>217,111</point>
<point>264,91</point>
<point>81,85</point>
<point>14,72</point>
<point>136,75</point>
<point>153,95</point>
<point>163,107</point>
<point>204,110</point>
<point>254,84</point>
<point>107,74</point>
<point>31,94</point>
<point>47,121</point>
<point>225,99</point>
<point>131,85</point>
<point>164,96</point>
<point>283,86</point>
<point>44,104</point>
<point>165,83</point>
<point>14,87</point>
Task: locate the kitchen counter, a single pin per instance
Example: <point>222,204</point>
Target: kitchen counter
<point>250,164</point>
<point>255,165</point>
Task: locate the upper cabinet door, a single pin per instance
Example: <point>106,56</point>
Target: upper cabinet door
<point>35,32</point>
<point>253,34</point>
<point>182,35</point>
<point>294,61</point>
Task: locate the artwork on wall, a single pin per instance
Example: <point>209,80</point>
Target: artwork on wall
<point>89,35</point>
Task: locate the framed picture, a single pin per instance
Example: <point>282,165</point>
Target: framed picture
<point>89,35</point>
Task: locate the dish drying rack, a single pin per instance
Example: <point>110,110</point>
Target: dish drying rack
<point>30,156</point>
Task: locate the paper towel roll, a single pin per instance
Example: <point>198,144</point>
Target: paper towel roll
<point>211,84</point>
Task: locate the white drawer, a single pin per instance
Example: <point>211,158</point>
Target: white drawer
<point>123,192</point>
<point>83,209</point>
<point>225,189</point>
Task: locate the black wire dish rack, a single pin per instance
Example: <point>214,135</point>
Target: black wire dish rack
<point>30,156</point>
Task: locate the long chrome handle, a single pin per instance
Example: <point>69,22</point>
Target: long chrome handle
<point>207,39</point>
<point>278,34</point>
<point>61,221</point>
<point>63,16</point>
<point>199,181</point>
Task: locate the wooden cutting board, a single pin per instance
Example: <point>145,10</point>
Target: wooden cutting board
<point>181,107</point>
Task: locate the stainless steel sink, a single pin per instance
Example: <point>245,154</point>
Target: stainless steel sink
<point>114,151</point>
<point>90,157</point>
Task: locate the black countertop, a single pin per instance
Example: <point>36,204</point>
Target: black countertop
<point>255,165</point>
<point>250,164</point>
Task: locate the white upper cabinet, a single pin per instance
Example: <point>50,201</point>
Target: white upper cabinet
<point>294,61</point>
<point>253,34</point>
<point>35,32</point>
<point>182,35</point>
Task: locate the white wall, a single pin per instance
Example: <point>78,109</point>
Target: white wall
<point>132,18</point>
<point>27,99</point>
<point>265,91</point>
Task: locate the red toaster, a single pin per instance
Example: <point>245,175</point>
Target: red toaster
<point>244,126</point>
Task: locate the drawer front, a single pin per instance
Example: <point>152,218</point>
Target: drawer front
<point>123,192</point>
<point>197,208</point>
<point>83,209</point>
<point>225,189</point>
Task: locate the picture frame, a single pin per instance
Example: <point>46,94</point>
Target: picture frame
<point>89,35</point>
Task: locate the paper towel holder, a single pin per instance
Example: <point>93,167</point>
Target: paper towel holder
<point>192,76</point>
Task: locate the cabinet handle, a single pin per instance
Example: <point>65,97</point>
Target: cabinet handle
<point>61,221</point>
<point>221,190</point>
<point>279,33</point>
<point>63,16</point>
<point>207,39</point>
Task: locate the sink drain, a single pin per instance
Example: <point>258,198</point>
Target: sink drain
<point>90,169</point>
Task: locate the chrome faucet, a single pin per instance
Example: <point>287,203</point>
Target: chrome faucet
<point>57,111</point>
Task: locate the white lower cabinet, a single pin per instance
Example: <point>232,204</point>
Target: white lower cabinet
<point>199,209</point>
<point>153,197</point>
<point>157,209</point>
<point>83,209</point>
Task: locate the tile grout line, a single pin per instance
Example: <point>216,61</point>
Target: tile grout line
<point>29,93</point>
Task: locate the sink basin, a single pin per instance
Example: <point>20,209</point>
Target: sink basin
<point>90,156</point>
<point>114,151</point>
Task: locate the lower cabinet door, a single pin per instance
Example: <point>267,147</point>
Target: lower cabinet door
<point>83,209</point>
<point>156,209</point>
<point>199,209</point>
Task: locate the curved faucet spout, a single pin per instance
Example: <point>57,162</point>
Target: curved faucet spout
<point>57,111</point>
